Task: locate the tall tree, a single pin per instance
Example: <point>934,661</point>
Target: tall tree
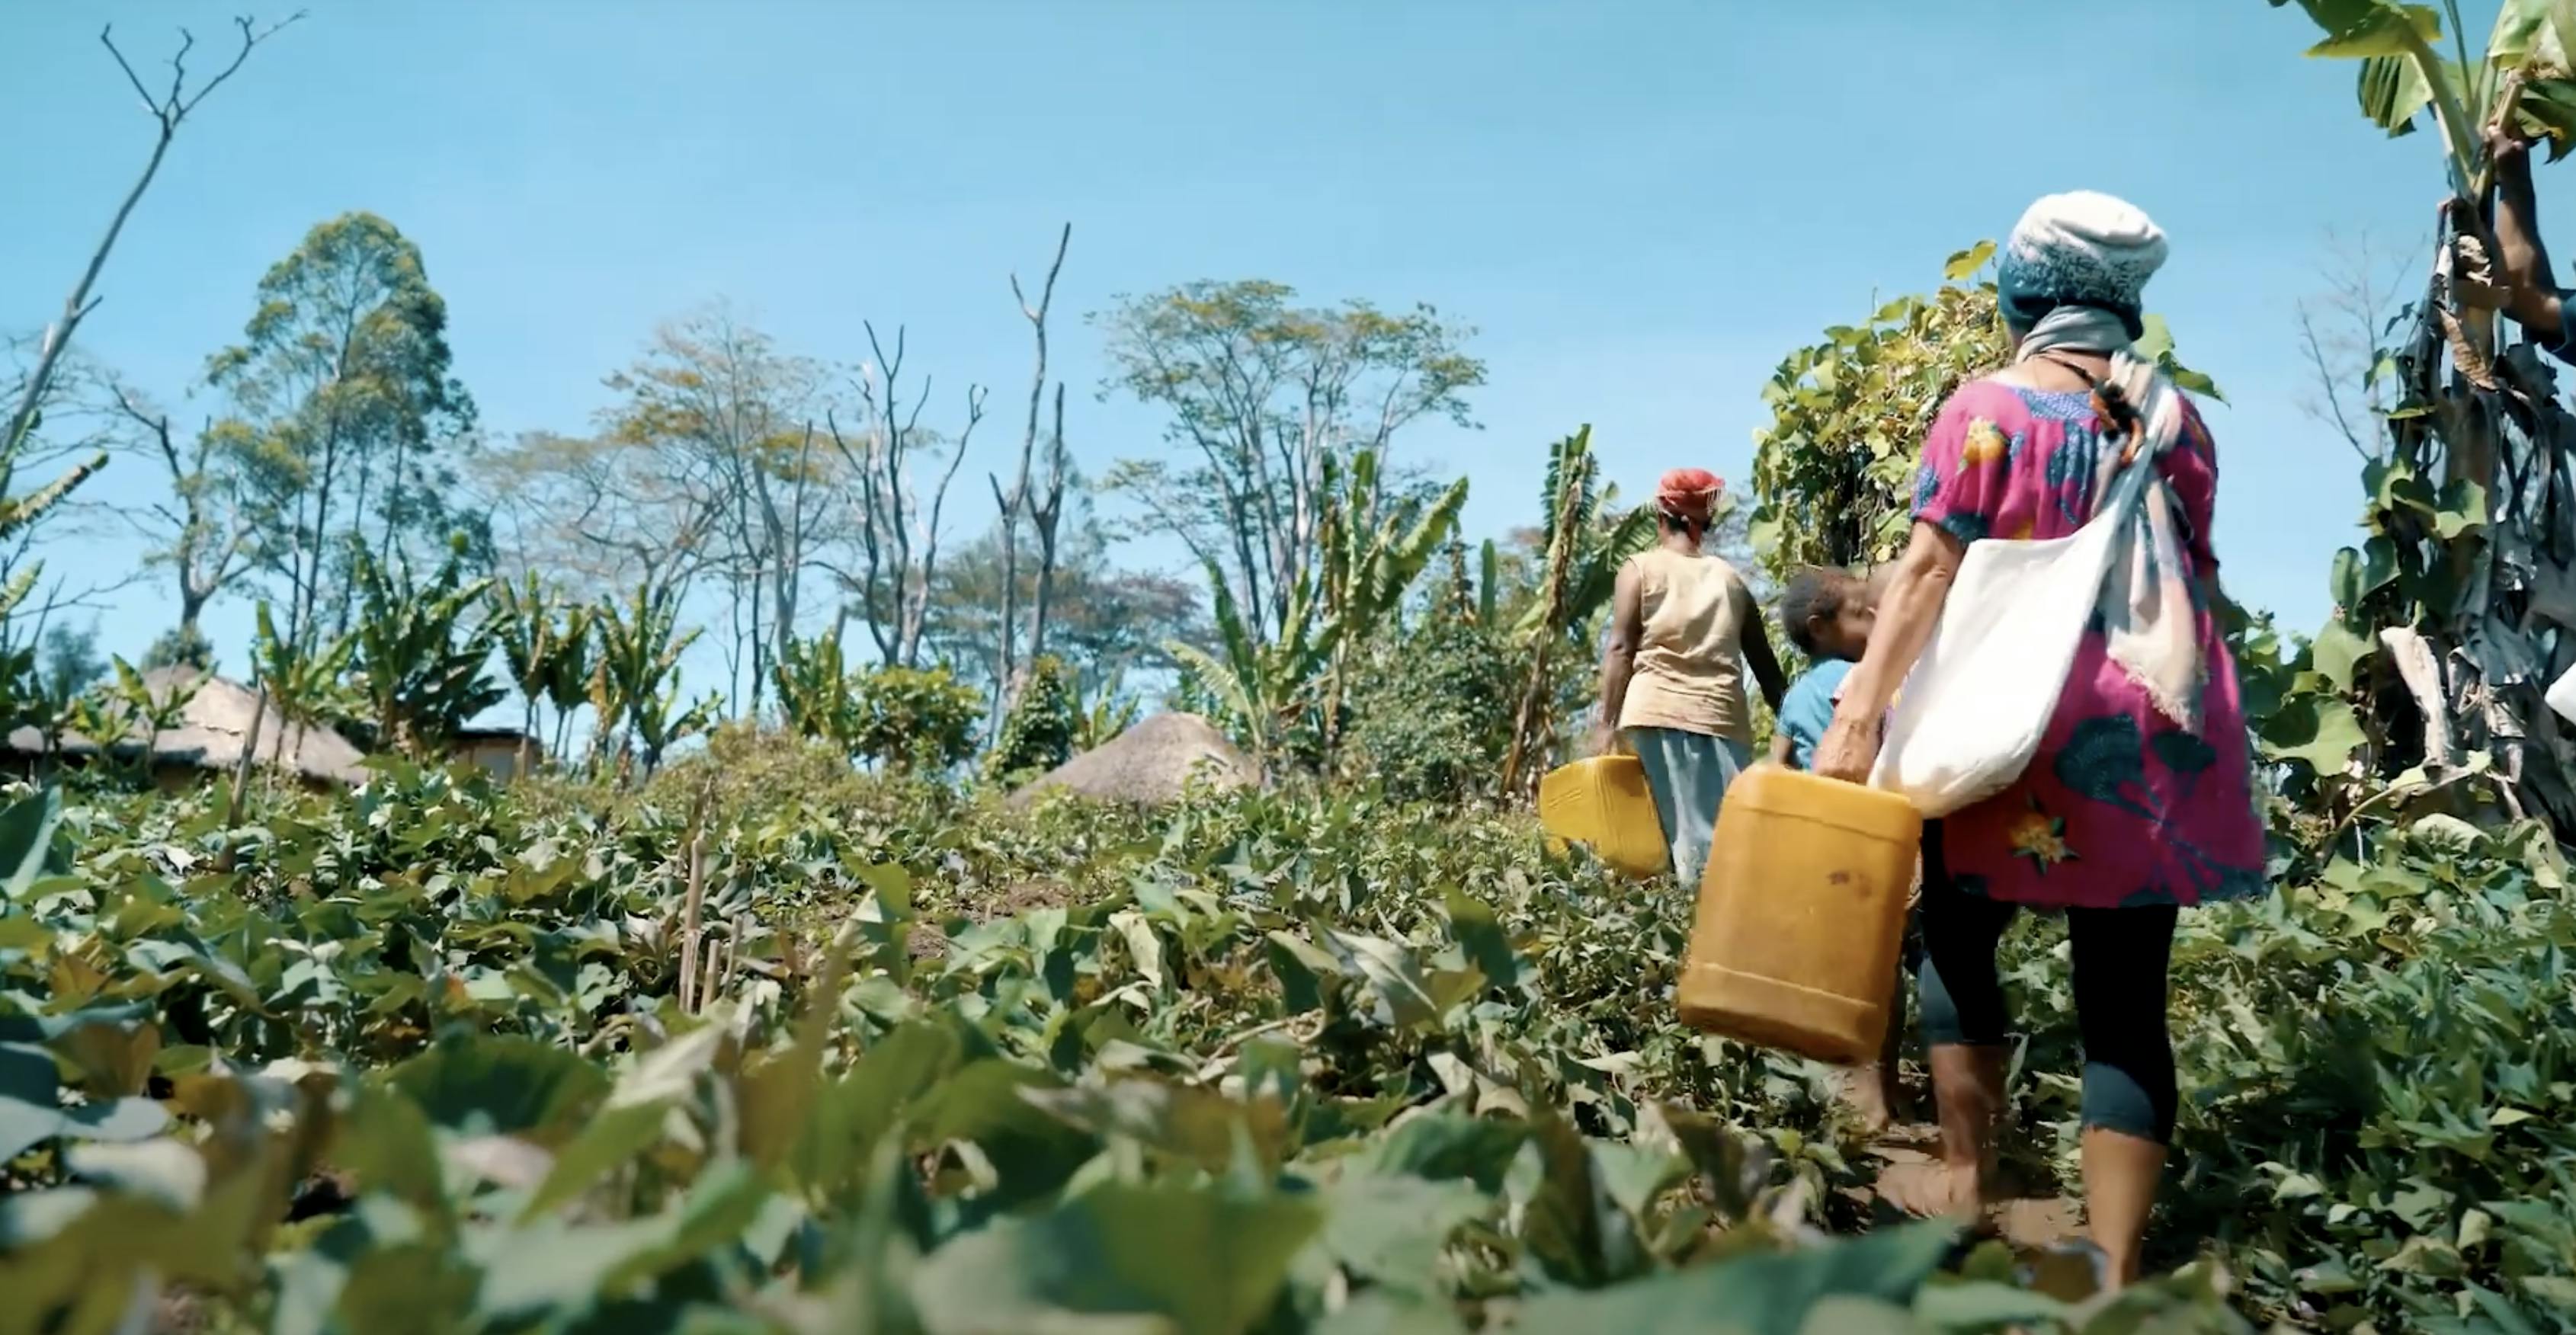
<point>1018,502</point>
<point>1261,393</point>
<point>897,523</point>
<point>350,417</point>
<point>722,416</point>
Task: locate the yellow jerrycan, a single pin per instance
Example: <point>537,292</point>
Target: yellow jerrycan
<point>1604,802</point>
<point>1801,915</point>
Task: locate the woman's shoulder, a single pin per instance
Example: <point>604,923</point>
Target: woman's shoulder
<point>1989,396</point>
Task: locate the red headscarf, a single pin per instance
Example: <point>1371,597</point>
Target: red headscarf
<point>1688,496</point>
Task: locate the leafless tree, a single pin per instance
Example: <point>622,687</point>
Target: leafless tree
<point>1017,501</point>
<point>167,110</point>
<point>598,515</point>
<point>716,410</point>
<point>207,532</point>
<point>1046,515</point>
<point>898,530</point>
<point>1265,397</point>
<point>2340,333</point>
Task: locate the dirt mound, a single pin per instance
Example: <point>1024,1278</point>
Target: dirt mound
<point>1152,763</point>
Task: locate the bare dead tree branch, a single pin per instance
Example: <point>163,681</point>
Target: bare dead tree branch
<point>1046,514</point>
<point>1014,504</point>
<point>167,113</point>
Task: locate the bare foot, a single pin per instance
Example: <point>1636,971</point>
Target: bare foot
<point>1864,1091</point>
<point>1932,1189</point>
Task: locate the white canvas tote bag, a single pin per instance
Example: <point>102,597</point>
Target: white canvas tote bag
<point>1971,714</point>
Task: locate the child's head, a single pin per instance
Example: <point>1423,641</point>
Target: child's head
<point>1828,613</point>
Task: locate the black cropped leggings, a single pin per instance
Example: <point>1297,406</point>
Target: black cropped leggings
<point>2120,960</point>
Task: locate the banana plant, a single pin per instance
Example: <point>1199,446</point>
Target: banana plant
<point>1107,714</point>
<point>2523,74</point>
<point>545,644</point>
<point>814,697</point>
<point>302,683</point>
<point>2456,610</point>
<point>1265,690</point>
<point>1371,554</point>
<point>422,652</point>
<point>1586,539</point>
<point>635,682</point>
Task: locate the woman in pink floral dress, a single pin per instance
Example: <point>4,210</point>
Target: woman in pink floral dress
<point>2140,800</point>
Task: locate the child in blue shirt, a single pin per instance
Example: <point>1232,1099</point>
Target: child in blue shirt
<point>1828,615</point>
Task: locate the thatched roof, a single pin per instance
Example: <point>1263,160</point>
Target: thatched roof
<point>211,730</point>
<point>1150,763</point>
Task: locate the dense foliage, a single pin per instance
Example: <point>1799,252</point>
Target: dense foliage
<point>1044,721</point>
<point>865,1053</point>
<point>1834,470</point>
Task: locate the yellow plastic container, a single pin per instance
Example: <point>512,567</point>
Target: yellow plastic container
<point>1604,802</point>
<point>1801,915</point>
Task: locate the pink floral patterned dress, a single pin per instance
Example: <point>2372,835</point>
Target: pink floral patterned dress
<point>2120,807</point>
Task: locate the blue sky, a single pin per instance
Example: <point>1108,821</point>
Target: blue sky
<point>1642,206</point>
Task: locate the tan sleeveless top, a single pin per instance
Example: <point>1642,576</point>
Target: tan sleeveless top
<point>1690,662</point>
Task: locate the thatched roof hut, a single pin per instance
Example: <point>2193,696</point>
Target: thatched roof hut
<point>213,725</point>
<point>1150,763</point>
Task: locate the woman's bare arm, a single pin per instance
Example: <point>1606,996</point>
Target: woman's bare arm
<point>1758,655</point>
<point>1908,612</point>
<point>1619,655</point>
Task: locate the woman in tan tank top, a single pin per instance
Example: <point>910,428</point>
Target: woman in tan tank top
<point>1683,630</point>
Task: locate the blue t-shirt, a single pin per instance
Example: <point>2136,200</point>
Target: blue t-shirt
<point>1807,709</point>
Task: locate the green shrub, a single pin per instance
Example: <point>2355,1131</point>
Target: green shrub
<point>1432,716</point>
<point>1038,733</point>
<point>914,718</point>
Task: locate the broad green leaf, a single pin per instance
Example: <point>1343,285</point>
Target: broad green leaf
<point>2357,28</point>
<point>1482,934</point>
<point>490,1084</point>
<point>1966,263</point>
<point>1754,1294</point>
<point>1392,1230</point>
<point>2463,506</point>
<point>2317,732</point>
<point>1982,1305</point>
<point>27,852</point>
<point>1031,1149</point>
<point>1195,1125</point>
<point>614,1137</point>
<point>2337,651</point>
<point>1378,1312</point>
<point>2393,92</point>
<point>1443,1145</point>
<point>1204,1262</point>
<point>1393,978</point>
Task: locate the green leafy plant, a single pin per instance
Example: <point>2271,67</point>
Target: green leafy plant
<point>2425,687</point>
<point>914,718</point>
<point>1435,715</point>
<point>422,650</point>
<point>546,644</point>
<point>1045,721</point>
<point>635,688</point>
<point>814,692</point>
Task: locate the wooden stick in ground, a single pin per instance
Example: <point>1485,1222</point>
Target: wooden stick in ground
<point>687,990</point>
